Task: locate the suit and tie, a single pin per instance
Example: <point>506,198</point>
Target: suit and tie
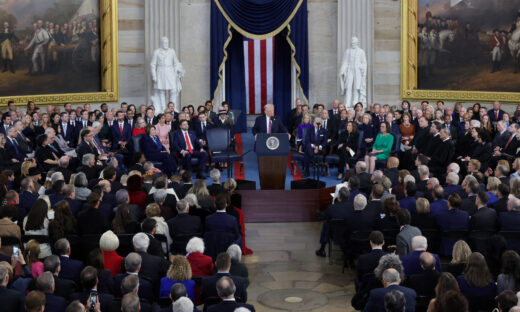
<point>376,299</point>
<point>221,221</point>
<point>70,269</point>
<point>13,149</point>
<point>145,287</point>
<point>261,125</point>
<point>412,265</point>
<point>154,151</point>
<point>188,141</point>
<point>208,287</point>
<point>68,133</point>
<point>314,138</point>
<point>495,115</point>
<point>121,131</point>
<point>85,148</point>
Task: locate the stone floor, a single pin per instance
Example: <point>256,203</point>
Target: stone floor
<point>286,275</point>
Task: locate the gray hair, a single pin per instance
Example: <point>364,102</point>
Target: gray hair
<point>64,161</point>
<point>192,200</point>
<point>47,131</point>
<point>159,196</point>
<point>378,175</point>
<point>360,202</point>
<point>419,242</point>
<point>129,284</point>
<point>234,252</point>
<point>195,244</point>
<point>112,162</point>
<point>130,303</point>
<point>214,174</point>
<point>122,196</point>
<point>96,124</point>
<point>453,178</point>
<point>45,282</point>
<point>183,304</point>
<point>51,263</point>
<point>87,159</point>
<point>57,176</point>
<point>386,262</point>
<point>475,123</point>
<point>514,203</point>
<point>391,275</point>
<point>182,205</point>
<point>395,301</point>
<point>409,178</point>
<point>141,241</point>
<point>362,166</point>
<point>446,131</point>
<point>503,170</point>
<point>225,287</point>
<point>434,181</point>
<point>132,262</point>
<point>423,170</point>
<point>147,166</point>
<point>61,246</point>
<point>4,273</point>
<point>454,167</point>
<point>108,241</point>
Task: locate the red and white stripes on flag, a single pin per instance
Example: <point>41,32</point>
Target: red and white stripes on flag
<point>259,73</point>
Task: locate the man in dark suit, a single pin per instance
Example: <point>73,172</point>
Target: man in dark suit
<point>150,117</point>
<point>177,292</point>
<point>391,281</point>
<point>359,218</point>
<point>369,261</point>
<point>375,204</point>
<point>68,130</point>
<point>200,126</point>
<point>86,146</point>
<point>315,144</point>
<point>89,283</point>
<point>183,223</point>
<point>226,291</point>
<point>510,219</point>
<point>62,287</point>
<point>496,113</point>
<point>484,219</point>
<point>411,263</point>
<point>45,283</point>
<point>468,203</point>
<point>216,187</point>
<point>187,145</point>
<point>27,196</point>
<point>501,137</point>
<point>451,126</point>
<point>6,118</point>
<point>12,146</point>
<point>452,184</point>
<point>208,287</point>
<point>152,267</point>
<point>454,219</point>
<point>365,179</point>
<point>149,227</point>
<point>439,204</point>
<point>131,287</point>
<point>186,183</point>
<point>69,269</point>
<point>132,264</point>
<point>443,153</point>
<point>339,210</point>
<point>268,123</point>
<point>406,233</point>
<point>69,194</point>
<point>334,111</point>
<point>330,125</point>
<point>34,302</point>
<point>91,220</point>
<point>11,300</point>
<point>121,132</point>
<point>408,202</point>
<point>424,282</point>
<point>25,144</point>
<point>392,171</point>
<point>508,151</point>
<point>221,221</point>
<point>500,205</point>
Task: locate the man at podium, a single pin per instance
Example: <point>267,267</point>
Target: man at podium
<point>268,123</point>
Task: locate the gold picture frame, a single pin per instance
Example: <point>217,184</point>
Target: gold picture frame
<point>108,16</point>
<point>409,67</point>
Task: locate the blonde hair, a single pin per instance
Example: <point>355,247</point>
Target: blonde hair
<point>9,269</point>
<point>492,184</point>
<point>422,205</point>
<point>72,178</point>
<point>180,269</point>
<point>48,182</point>
<point>514,186</point>
<point>230,185</point>
<point>460,253</point>
<point>32,252</point>
<point>25,166</point>
<point>199,189</point>
<point>475,163</point>
<point>153,210</point>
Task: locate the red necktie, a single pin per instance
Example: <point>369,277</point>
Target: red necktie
<point>509,141</point>
<point>190,149</point>
<point>121,129</point>
<point>496,115</point>
<point>270,126</point>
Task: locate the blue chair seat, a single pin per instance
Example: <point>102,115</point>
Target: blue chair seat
<point>332,159</point>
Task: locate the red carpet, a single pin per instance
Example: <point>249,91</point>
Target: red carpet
<point>239,166</point>
<point>295,171</point>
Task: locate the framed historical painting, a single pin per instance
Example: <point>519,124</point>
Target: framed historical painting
<point>58,51</point>
<point>460,50</point>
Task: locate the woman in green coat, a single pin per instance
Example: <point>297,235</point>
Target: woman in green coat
<point>381,148</point>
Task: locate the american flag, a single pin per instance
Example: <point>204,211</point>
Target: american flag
<point>259,73</point>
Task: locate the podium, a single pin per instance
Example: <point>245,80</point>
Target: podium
<point>272,150</point>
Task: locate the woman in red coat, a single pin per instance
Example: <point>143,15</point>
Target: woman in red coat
<point>108,243</point>
<point>201,265</point>
<point>137,196</point>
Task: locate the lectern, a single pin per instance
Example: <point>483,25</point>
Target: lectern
<point>272,150</point>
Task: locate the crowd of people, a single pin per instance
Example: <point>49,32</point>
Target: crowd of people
<point>88,223</point>
<point>448,188</point>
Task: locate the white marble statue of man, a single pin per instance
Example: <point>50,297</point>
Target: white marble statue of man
<point>353,75</point>
<point>167,72</point>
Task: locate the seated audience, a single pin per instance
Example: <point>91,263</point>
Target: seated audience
<point>108,243</point>
<point>237,267</point>
<point>476,283</point>
<point>91,220</point>
<point>412,263</point>
<point>220,221</point>
<point>391,280</point>
<point>226,290</point>
<point>448,296</point>
<point>179,272</point>
<point>424,281</point>
<point>369,261</point>
<point>105,283</point>
<point>508,279</point>
<point>423,218</point>
<point>406,233</point>
<point>11,299</point>
<point>62,287</point>
<point>132,264</point>
<point>152,267</point>
<point>201,265</point>
<point>454,219</point>
<point>459,259</point>
<point>89,284</point>
<point>45,283</point>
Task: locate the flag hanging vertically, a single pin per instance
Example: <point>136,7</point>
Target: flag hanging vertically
<point>259,73</point>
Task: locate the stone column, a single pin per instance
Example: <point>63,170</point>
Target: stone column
<point>162,19</point>
<point>356,19</point>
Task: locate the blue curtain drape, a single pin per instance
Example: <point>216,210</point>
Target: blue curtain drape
<point>255,18</point>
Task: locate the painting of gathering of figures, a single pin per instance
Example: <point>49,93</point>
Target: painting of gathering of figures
<point>469,45</point>
<point>49,46</point>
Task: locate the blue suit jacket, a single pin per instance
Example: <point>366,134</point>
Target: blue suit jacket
<point>261,125</point>
<point>438,206</point>
<point>509,221</point>
<point>3,130</point>
<point>70,269</point>
<point>452,220</point>
<point>75,206</point>
<point>150,148</point>
<point>69,134</point>
<point>117,136</point>
<point>12,151</point>
<point>452,189</point>
<point>179,142</point>
<point>412,265</point>
<point>145,287</point>
<point>491,114</point>
<point>55,303</point>
<point>222,222</point>
<point>311,138</point>
<point>27,200</point>
<point>376,299</point>
<point>408,203</point>
<point>55,198</point>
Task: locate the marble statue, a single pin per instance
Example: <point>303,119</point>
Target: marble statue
<point>353,75</point>
<point>167,72</point>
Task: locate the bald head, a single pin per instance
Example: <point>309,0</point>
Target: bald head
<point>427,261</point>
